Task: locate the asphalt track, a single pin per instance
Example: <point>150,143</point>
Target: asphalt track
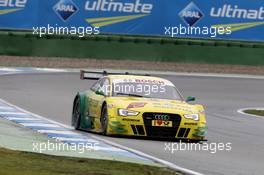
<point>51,96</point>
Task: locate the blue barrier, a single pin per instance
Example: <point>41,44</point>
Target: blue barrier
<point>230,19</point>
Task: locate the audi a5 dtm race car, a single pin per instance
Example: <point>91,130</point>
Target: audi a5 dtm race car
<point>137,105</point>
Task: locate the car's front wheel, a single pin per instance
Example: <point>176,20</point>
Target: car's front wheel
<point>104,120</point>
<point>76,114</point>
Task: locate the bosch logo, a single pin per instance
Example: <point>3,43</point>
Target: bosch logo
<point>161,117</point>
<point>191,14</point>
<point>65,9</point>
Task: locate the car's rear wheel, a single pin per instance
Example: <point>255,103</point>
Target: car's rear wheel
<point>104,120</point>
<point>76,114</point>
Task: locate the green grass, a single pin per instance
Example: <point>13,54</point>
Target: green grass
<point>255,112</point>
<point>25,163</point>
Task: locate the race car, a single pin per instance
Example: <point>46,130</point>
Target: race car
<point>137,105</point>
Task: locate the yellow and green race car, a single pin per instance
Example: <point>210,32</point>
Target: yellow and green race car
<point>137,105</point>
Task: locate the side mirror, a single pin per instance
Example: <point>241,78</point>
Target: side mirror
<point>190,98</point>
<point>99,92</point>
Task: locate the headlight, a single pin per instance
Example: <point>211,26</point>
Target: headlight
<point>125,112</point>
<point>192,116</point>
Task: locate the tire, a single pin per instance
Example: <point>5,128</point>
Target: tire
<point>76,114</point>
<point>104,120</point>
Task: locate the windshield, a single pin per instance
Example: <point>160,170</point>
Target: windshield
<point>146,90</point>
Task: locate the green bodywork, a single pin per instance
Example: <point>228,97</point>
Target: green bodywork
<point>117,127</point>
<point>88,118</point>
<point>85,122</point>
<point>201,131</point>
<point>82,106</point>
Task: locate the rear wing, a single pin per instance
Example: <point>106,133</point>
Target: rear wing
<point>96,75</point>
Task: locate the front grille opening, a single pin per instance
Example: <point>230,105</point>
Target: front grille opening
<point>181,132</point>
<point>187,132</point>
<point>184,132</point>
<point>162,132</point>
<point>134,129</point>
<point>140,130</point>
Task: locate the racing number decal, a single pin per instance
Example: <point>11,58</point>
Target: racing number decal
<point>161,123</point>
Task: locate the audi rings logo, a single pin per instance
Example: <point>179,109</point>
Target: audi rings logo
<point>161,117</point>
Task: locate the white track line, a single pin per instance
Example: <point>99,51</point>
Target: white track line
<point>241,111</point>
<point>164,162</point>
<point>23,119</point>
<point>40,124</point>
<point>50,70</point>
<point>5,107</point>
<point>75,139</point>
<point>12,113</point>
<point>114,149</point>
<point>58,132</point>
<point>9,69</point>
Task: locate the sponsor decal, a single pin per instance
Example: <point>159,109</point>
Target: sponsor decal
<point>148,81</point>
<point>131,120</point>
<point>128,80</point>
<point>118,6</point>
<point>236,12</point>
<point>110,106</point>
<point>172,106</point>
<point>65,9</point>
<point>9,6</point>
<point>142,81</point>
<point>192,124</point>
<point>126,11</point>
<point>191,14</point>
<point>161,123</point>
<point>136,105</point>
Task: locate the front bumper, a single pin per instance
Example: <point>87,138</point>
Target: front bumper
<point>141,126</point>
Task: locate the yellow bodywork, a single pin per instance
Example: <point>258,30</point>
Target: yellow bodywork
<point>188,129</point>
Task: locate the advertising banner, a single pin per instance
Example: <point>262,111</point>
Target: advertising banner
<point>230,19</point>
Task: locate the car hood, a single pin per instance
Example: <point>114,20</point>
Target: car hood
<point>154,105</point>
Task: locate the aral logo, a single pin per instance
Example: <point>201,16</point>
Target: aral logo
<point>65,9</point>
<point>191,14</point>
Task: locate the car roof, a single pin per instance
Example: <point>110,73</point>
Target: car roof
<point>152,78</point>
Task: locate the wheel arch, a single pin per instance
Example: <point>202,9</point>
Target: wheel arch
<point>81,97</point>
<point>103,104</point>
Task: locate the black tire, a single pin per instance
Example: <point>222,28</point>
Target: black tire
<point>76,114</point>
<point>104,120</point>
